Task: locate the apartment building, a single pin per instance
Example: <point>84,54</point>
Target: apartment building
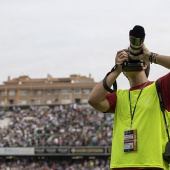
<point>26,91</point>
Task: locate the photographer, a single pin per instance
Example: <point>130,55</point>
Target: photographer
<point>139,134</point>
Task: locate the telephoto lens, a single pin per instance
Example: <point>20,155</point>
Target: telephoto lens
<point>136,37</point>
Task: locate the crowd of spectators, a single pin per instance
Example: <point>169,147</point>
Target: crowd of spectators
<point>54,164</point>
<point>69,125</point>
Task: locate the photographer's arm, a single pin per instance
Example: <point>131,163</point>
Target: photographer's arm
<point>97,98</point>
<point>163,61</point>
<point>157,58</point>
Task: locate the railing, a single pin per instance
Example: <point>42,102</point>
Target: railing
<point>56,151</point>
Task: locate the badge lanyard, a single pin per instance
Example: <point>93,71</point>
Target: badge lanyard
<point>133,113</point>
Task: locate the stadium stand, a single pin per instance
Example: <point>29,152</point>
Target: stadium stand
<point>59,126</point>
<point>34,163</point>
<point>67,132</point>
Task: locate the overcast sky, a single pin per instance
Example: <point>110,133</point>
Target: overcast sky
<point>63,37</point>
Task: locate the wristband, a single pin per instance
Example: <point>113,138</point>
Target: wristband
<point>153,58</point>
<point>114,84</point>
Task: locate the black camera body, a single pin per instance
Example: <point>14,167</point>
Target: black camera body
<point>136,37</point>
<point>132,65</point>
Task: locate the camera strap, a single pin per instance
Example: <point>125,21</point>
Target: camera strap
<point>114,84</point>
<point>162,107</point>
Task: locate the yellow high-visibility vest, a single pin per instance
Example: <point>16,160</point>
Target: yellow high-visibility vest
<point>151,132</point>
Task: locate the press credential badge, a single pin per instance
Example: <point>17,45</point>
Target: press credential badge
<point>130,140</point>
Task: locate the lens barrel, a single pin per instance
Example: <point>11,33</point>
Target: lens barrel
<point>136,38</point>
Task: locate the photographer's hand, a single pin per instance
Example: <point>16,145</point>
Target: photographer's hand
<point>120,58</point>
<point>146,54</point>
